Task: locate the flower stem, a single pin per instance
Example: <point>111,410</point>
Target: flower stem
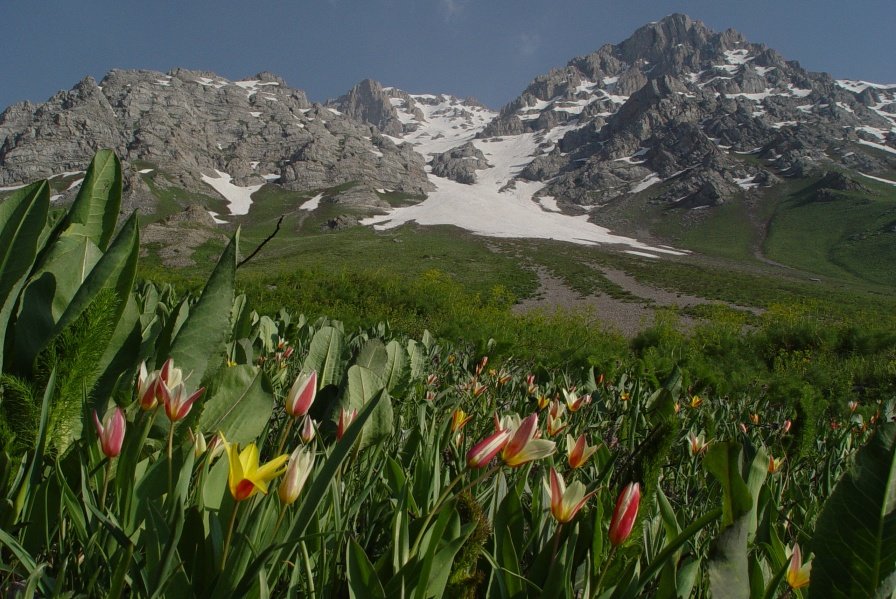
<point>283,437</point>
<point>106,477</point>
<point>236,508</point>
<point>170,459</point>
<point>280,519</point>
<point>605,568</point>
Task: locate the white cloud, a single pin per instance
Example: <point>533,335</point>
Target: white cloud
<point>528,43</point>
<point>453,8</point>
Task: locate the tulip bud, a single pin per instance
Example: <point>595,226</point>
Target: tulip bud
<point>300,465</point>
<point>147,388</point>
<point>301,394</point>
<point>345,420</point>
<point>199,444</point>
<point>110,432</point>
<point>625,513</point>
<point>307,432</point>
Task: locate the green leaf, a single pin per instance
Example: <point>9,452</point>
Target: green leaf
<point>397,370</point>
<point>363,385</point>
<point>363,582</point>
<point>115,270</point>
<point>239,404</point>
<point>373,356</point>
<point>200,344</point>
<point>415,351</point>
<point>855,536</point>
<point>23,216</point>
<point>728,566</point>
<point>48,293</point>
<point>95,210</point>
<point>325,355</point>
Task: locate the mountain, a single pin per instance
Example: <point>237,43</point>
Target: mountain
<point>608,149</point>
<point>201,130</point>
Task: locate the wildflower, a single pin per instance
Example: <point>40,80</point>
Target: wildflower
<point>345,420</point>
<point>307,432</point>
<point>625,513</point>
<point>287,353</point>
<point>482,364</point>
<point>785,428</point>
<point>743,427</point>
<point>301,394</point>
<point>459,419</point>
<point>483,452</point>
<point>697,444</point>
<point>172,392</point>
<point>524,445</point>
<point>147,388</point>
<point>177,402</point>
<point>432,380</point>
<point>430,396</point>
<point>503,377</point>
<point>677,407</point>
<point>110,432</point>
<point>625,396</point>
<point>542,401</point>
<point>300,464</point>
<point>555,418</point>
<point>199,444</point>
<point>754,418</point>
<point>246,477</point>
<point>775,464</point>
<point>578,451</point>
<point>531,387</point>
<point>566,501</point>
<point>797,571</point>
<point>853,406</point>
<point>696,402</point>
<point>575,402</point>
<point>478,388</point>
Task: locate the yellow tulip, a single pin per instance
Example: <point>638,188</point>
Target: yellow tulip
<point>246,477</point>
<point>797,571</point>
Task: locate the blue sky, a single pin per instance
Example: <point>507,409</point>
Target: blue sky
<point>489,49</point>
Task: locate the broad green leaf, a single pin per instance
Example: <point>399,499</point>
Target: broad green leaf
<point>363,582</point>
<point>363,385</point>
<point>326,355</point>
<point>95,210</point>
<point>728,566</point>
<point>199,346</point>
<point>48,293</point>
<point>755,479</point>
<point>373,356</point>
<point>397,369</point>
<point>23,216</point>
<point>115,270</point>
<point>855,536</point>
<point>415,351</point>
<point>239,404</point>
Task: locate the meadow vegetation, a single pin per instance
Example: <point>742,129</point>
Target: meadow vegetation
<point>324,430</point>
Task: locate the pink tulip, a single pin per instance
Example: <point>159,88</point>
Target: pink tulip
<point>302,394</point>
<point>625,513</point>
<point>482,453</point>
<point>345,420</point>
<point>147,388</point>
<point>177,402</point>
<point>308,432</point>
<point>110,432</point>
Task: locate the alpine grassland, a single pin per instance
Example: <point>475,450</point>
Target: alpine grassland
<point>376,421</point>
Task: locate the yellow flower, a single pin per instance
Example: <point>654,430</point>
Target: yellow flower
<point>566,501</point>
<point>246,477</point>
<point>696,402</point>
<point>798,572</point>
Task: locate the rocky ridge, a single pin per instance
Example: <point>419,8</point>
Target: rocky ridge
<point>192,124</point>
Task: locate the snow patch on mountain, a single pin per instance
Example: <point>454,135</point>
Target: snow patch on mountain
<point>239,199</point>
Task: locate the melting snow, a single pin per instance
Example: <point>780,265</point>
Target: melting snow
<point>75,183</point>
<point>746,182</point>
<point>13,187</point>
<point>878,146</point>
<point>239,198</point>
<point>878,179</point>
<point>255,113</point>
<point>644,254</point>
<point>216,219</point>
<point>145,170</point>
<point>55,197</point>
<point>270,177</point>
<point>312,204</point>
<point>648,181</point>
<point>549,203</point>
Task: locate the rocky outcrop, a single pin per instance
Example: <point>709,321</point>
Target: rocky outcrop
<point>459,164</point>
<point>187,123</point>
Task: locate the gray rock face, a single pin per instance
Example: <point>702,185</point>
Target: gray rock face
<point>368,102</point>
<point>190,123</point>
<point>677,102</point>
<point>459,164</point>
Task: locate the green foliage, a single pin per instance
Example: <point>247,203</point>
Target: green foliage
<point>855,540</point>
